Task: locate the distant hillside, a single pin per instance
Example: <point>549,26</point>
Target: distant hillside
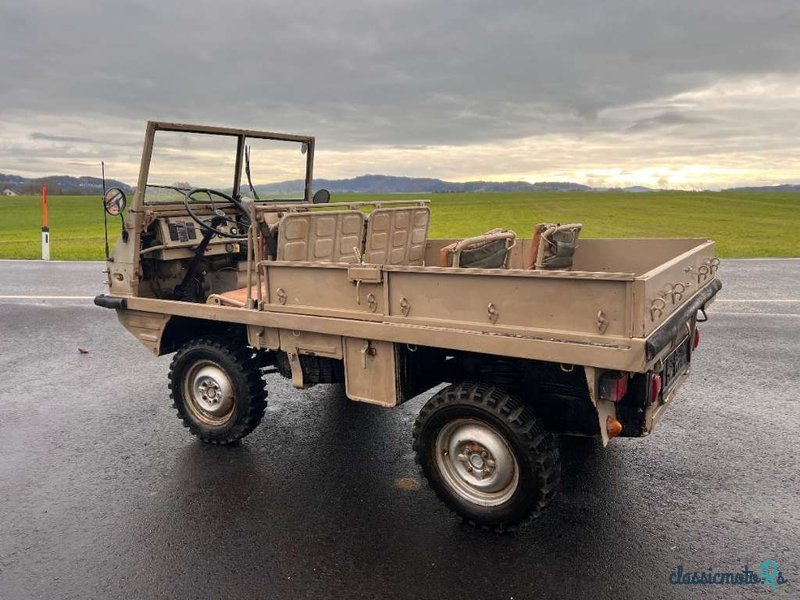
<point>388,184</point>
<point>766,188</point>
<point>58,184</point>
<point>363,184</point>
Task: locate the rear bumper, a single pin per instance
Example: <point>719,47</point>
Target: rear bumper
<point>111,302</point>
<point>671,328</point>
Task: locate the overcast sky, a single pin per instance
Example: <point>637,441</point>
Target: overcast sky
<point>690,94</point>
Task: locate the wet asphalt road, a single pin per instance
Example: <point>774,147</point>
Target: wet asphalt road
<point>105,495</point>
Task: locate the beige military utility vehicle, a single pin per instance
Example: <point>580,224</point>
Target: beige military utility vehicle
<point>524,335</point>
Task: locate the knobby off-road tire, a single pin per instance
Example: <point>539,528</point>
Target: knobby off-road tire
<point>485,456</point>
<point>217,388</point>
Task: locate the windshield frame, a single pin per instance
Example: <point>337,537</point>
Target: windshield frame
<point>240,134</point>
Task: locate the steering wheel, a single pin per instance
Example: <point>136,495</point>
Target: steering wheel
<point>219,214</point>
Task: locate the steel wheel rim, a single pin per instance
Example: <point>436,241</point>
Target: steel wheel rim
<point>476,462</point>
<point>209,392</point>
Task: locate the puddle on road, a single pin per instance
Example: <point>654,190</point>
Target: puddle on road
<point>409,484</point>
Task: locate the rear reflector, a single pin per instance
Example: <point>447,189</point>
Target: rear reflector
<point>613,427</point>
<point>613,386</point>
<point>696,342</point>
<point>655,388</point>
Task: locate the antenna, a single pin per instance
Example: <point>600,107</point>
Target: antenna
<point>103,200</point>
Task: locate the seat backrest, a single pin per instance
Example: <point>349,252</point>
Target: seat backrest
<point>397,236</point>
<point>554,245</point>
<point>321,236</point>
<point>487,251</point>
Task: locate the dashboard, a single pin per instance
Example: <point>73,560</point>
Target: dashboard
<point>176,237</point>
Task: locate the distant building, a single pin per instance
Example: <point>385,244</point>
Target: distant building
<point>9,192</point>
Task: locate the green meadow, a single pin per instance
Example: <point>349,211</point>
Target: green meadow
<point>743,224</point>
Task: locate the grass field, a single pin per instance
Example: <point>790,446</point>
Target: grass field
<point>743,224</point>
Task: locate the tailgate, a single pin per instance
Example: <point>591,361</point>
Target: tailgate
<point>670,329</point>
<point>663,291</point>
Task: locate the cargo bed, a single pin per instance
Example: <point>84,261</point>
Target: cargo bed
<point>602,313</point>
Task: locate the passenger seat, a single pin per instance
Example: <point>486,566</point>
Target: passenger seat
<point>397,236</point>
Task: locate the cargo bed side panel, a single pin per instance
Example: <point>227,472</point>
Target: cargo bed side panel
<point>527,303</point>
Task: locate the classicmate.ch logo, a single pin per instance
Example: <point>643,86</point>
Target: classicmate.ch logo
<point>768,574</point>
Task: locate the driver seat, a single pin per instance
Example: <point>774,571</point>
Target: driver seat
<point>333,236</point>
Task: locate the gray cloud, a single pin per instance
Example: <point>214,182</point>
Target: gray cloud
<point>669,118</point>
<point>375,73</point>
<point>37,135</point>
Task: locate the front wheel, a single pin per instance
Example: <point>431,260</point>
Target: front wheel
<point>217,388</point>
<point>486,457</point>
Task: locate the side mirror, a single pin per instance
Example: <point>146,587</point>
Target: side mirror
<point>321,197</point>
<point>115,201</point>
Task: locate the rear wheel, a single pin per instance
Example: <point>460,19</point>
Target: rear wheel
<point>486,457</point>
<point>217,388</point>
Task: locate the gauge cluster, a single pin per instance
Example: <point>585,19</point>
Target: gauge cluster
<point>181,231</point>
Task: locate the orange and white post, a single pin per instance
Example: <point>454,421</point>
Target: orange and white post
<point>45,227</point>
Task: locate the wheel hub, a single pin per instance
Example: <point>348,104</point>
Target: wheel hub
<point>476,461</point>
<point>210,392</point>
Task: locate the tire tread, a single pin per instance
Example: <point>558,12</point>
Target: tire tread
<point>539,445</point>
<point>248,371</point>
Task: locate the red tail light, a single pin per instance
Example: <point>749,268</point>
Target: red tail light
<point>655,388</point>
<point>696,342</point>
<point>613,386</point>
